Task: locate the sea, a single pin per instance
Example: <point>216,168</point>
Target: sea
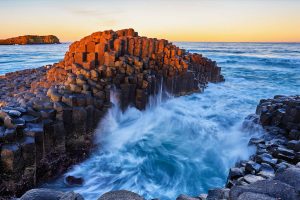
<point>178,145</point>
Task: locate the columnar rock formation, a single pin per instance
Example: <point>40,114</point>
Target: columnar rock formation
<point>31,39</point>
<point>274,171</point>
<point>48,115</point>
<point>135,65</point>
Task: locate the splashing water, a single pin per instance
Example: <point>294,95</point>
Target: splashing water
<point>187,144</point>
<point>174,147</point>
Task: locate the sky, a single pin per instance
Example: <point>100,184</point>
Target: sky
<point>175,20</point>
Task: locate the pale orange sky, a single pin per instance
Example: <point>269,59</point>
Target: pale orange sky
<point>175,20</point>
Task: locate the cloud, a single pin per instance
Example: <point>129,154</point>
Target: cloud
<point>93,12</point>
<point>100,16</point>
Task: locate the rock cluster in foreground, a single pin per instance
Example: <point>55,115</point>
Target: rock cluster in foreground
<point>31,39</point>
<point>48,115</point>
<point>273,172</point>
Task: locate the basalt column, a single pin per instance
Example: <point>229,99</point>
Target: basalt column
<point>134,65</point>
<point>48,115</point>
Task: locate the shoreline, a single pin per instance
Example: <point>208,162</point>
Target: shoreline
<point>48,114</point>
<point>273,172</point>
<point>276,160</point>
<point>53,110</point>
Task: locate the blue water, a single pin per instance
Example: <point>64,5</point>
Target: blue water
<point>187,144</point>
<point>19,57</point>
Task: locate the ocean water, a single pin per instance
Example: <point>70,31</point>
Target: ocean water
<point>187,144</point>
<point>19,57</point>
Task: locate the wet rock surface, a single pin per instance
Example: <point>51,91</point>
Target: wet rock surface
<point>71,180</point>
<point>273,172</point>
<point>121,195</point>
<point>48,114</point>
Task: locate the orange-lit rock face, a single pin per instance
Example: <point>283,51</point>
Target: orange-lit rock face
<point>135,65</point>
<point>65,102</point>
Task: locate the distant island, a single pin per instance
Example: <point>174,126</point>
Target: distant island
<point>30,39</point>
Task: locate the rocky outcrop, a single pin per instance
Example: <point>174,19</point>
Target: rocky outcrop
<point>274,171</point>
<point>135,65</point>
<point>48,194</point>
<point>121,195</point>
<point>31,39</point>
<point>39,137</point>
<point>48,115</point>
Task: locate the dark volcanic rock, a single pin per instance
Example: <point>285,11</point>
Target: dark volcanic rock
<point>255,196</point>
<point>272,188</point>
<point>121,195</point>
<point>252,167</point>
<point>42,194</point>
<point>49,194</point>
<point>235,172</point>
<point>218,193</point>
<point>71,180</point>
<point>185,197</point>
<point>290,176</point>
<point>276,151</point>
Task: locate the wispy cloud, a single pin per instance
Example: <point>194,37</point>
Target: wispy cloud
<point>92,12</point>
<point>106,18</point>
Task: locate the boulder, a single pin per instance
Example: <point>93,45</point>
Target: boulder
<point>235,172</point>
<point>294,145</point>
<point>219,193</point>
<point>250,178</point>
<point>272,188</point>
<point>185,197</point>
<point>120,195</point>
<point>255,196</point>
<point>290,176</point>
<point>49,194</point>
<point>72,180</point>
<point>71,196</point>
<point>252,167</point>
<point>266,158</point>
<point>42,194</point>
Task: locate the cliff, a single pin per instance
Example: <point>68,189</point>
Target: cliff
<point>30,39</point>
<point>48,115</point>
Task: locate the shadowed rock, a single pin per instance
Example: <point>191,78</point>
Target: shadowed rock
<point>290,176</point>
<point>272,188</point>
<point>49,194</point>
<point>121,195</point>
